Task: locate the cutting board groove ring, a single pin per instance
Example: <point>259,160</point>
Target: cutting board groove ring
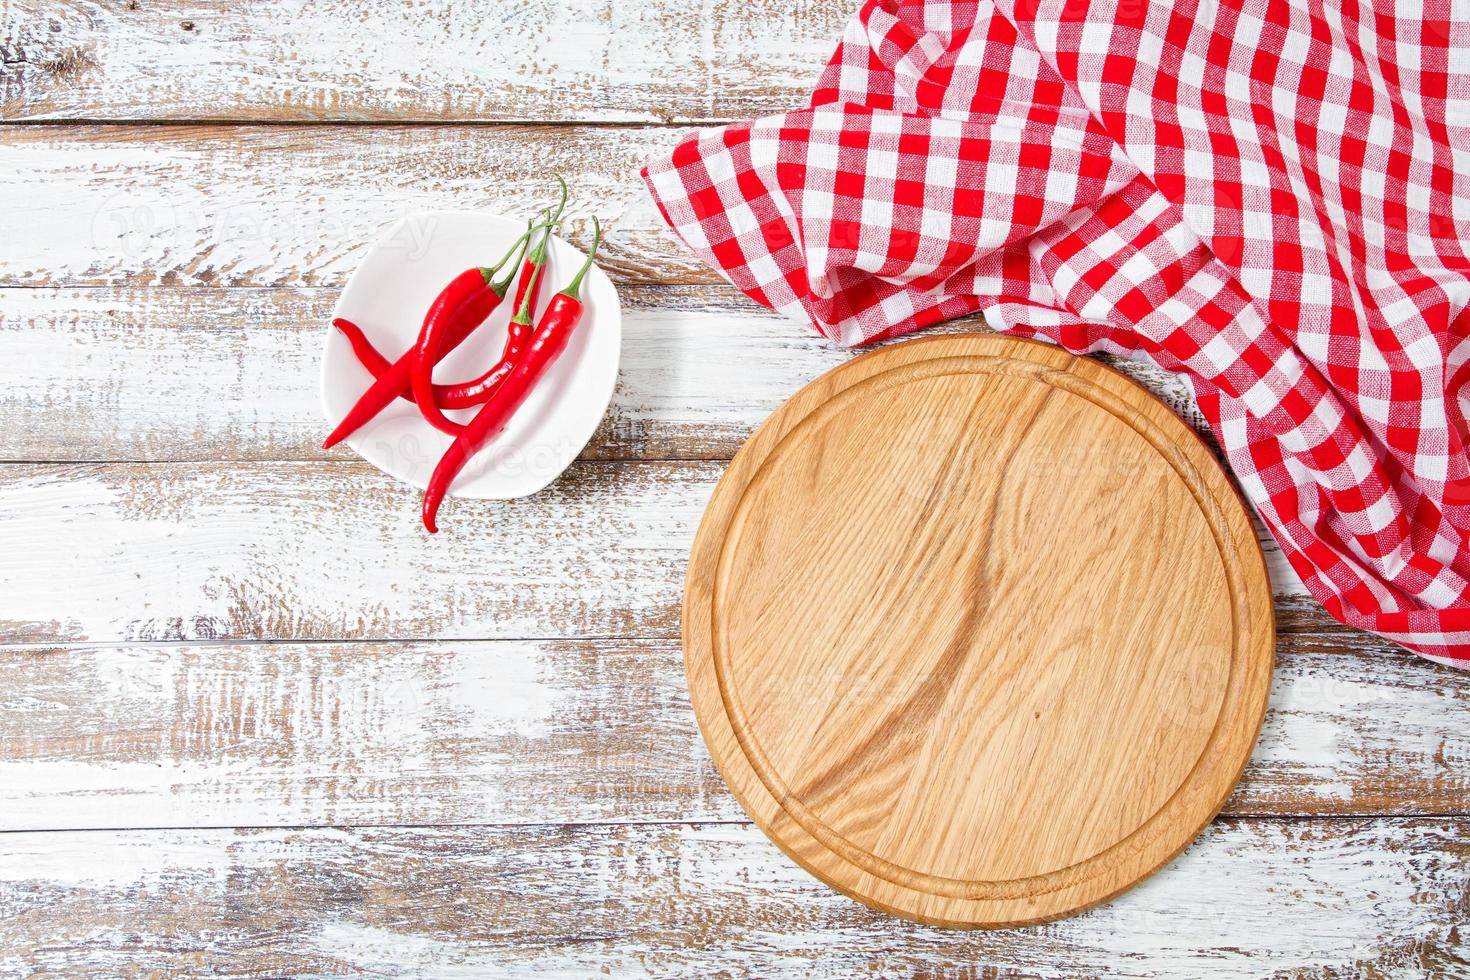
<point>781,810</point>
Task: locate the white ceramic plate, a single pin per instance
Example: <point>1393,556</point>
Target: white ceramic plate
<point>387,297</point>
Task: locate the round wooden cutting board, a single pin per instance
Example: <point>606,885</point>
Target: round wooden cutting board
<point>978,631</point>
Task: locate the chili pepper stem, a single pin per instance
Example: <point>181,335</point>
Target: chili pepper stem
<point>538,254</point>
<point>502,285</point>
<point>517,250</point>
<point>574,288</point>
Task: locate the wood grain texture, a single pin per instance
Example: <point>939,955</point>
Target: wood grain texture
<point>461,732</point>
<point>335,551</point>
<point>374,733</point>
<point>326,551</point>
<point>158,373</point>
<point>853,631</point>
<point>300,205</point>
<point>1338,898</point>
<point>592,60</point>
<point>158,733</point>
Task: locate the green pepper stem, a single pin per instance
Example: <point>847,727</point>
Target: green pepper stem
<point>517,250</point>
<point>574,288</point>
<point>538,254</point>
<point>562,204</point>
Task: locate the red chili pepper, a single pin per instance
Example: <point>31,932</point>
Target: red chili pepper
<point>431,336</point>
<point>470,298</point>
<point>554,331</point>
<point>483,388</point>
<point>470,393</point>
<point>535,260</point>
<point>459,396</point>
<point>367,355</point>
<point>466,395</point>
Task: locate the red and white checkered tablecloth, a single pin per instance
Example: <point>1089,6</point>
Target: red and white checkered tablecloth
<point>1271,197</point>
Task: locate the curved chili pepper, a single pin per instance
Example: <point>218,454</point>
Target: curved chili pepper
<point>553,333</point>
<point>471,297</point>
<point>376,364</point>
<point>431,336</point>
<point>469,393</point>
<point>484,387</point>
<point>466,395</point>
<point>367,355</point>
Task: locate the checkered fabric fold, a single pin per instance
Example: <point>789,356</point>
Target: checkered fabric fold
<point>1270,197</point>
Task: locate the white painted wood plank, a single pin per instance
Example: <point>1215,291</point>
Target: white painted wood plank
<point>588,60</point>
<point>319,551</point>
<point>1381,898</point>
<point>152,374</point>
<point>575,731</point>
<point>189,374</point>
<point>336,734</point>
<point>300,205</point>
<point>336,550</point>
<point>1357,725</point>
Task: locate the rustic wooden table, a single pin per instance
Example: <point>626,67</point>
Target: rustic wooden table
<point>253,721</point>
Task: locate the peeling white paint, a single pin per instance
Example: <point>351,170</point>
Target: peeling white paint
<point>298,206</point>
<point>306,551</point>
<point>1250,898</point>
<point>593,60</point>
<point>523,732</point>
<point>153,549</point>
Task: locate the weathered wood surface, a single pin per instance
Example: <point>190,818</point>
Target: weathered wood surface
<point>300,205</point>
<point>525,732</point>
<point>325,551</point>
<point>165,484</point>
<point>591,60</point>
<point>336,551</point>
<point>159,373</point>
<point>1379,898</point>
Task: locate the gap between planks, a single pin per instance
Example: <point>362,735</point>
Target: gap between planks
<point>245,122</point>
<point>1219,820</point>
